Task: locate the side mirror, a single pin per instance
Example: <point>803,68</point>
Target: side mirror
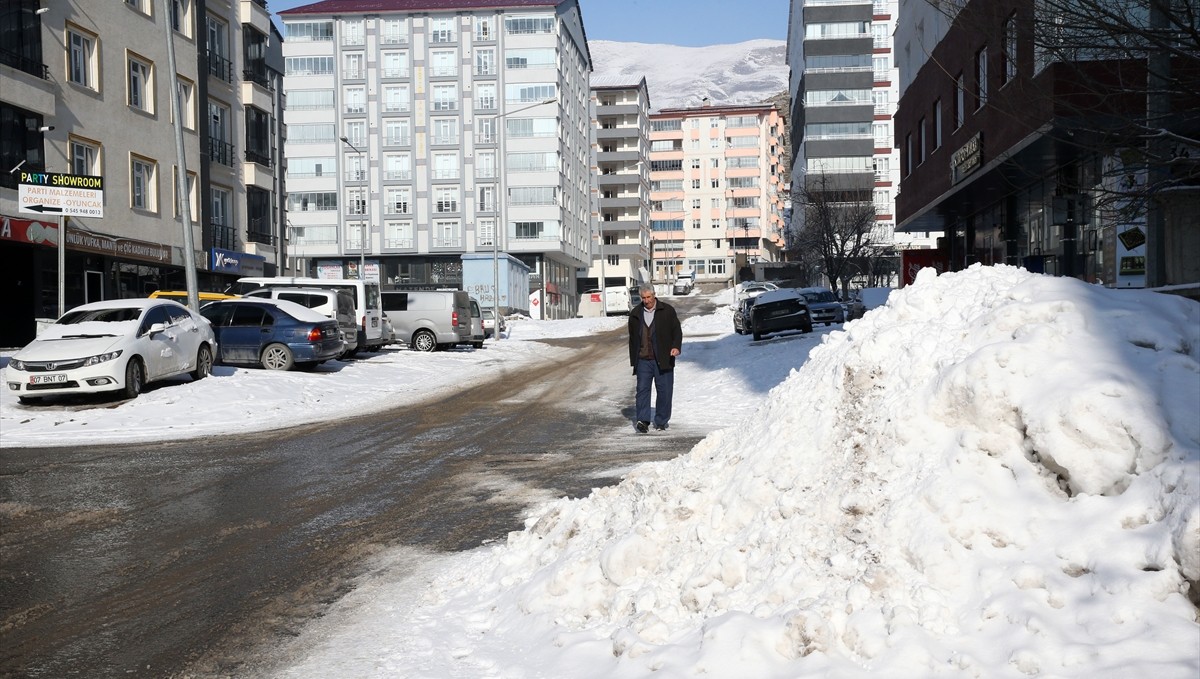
<point>156,328</point>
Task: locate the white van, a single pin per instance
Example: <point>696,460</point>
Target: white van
<point>365,294</point>
<point>427,320</point>
<point>335,304</point>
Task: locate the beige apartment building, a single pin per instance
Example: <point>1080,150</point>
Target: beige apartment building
<point>716,189</point>
<point>85,90</point>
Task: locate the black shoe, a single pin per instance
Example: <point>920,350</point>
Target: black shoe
<point>642,427</point>
<point>660,427</point>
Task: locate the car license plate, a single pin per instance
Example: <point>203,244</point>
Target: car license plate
<point>54,378</point>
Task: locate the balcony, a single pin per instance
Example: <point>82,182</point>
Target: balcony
<point>356,175</point>
<point>394,39</point>
<point>260,157</point>
<point>220,152</point>
<point>396,175</point>
<point>259,76</point>
<point>224,237</point>
<point>220,68</point>
<point>31,66</point>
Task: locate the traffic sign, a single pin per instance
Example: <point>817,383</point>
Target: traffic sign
<point>51,194</point>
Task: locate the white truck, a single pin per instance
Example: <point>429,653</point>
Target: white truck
<point>684,282</point>
<point>617,301</point>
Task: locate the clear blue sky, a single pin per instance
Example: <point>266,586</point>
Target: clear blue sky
<point>691,23</point>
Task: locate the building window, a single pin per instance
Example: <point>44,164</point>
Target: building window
<point>187,103</point>
<point>445,165</point>
<point>181,17</point>
<point>960,101</point>
<point>312,201</point>
<point>530,93</point>
<point>141,84</point>
<point>81,58</point>
<point>442,30</point>
<point>354,100</point>
<point>485,62</point>
<point>529,24</point>
<point>395,32</point>
<point>981,83</point>
<point>532,195</point>
<point>395,64</point>
<point>937,124</point>
<point>1009,55</point>
<point>485,28</point>
<point>395,133</point>
<point>485,198</point>
<point>485,97</point>
<point>908,154</point>
<point>308,66</point>
<point>395,99</point>
<point>445,199</point>
<point>397,167</point>
<point>220,215</point>
<point>143,190</point>
<point>399,201</point>
<point>529,230</point>
<point>921,141</point>
<point>445,97</point>
<point>85,157</point>
<point>443,63</point>
<point>142,6</point>
<point>309,31</point>
<point>445,131</point>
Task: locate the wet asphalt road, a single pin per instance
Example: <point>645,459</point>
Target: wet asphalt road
<point>182,559</point>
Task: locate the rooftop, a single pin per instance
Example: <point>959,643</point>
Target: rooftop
<point>373,6</point>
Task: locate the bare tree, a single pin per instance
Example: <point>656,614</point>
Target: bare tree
<point>833,227</point>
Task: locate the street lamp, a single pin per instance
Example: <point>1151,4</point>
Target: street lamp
<point>503,223</point>
<point>364,229</point>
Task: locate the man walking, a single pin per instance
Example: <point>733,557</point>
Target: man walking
<point>655,338</point>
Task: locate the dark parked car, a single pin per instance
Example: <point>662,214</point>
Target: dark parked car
<point>779,310</point>
<point>823,306</point>
<point>273,333</point>
<point>741,316</point>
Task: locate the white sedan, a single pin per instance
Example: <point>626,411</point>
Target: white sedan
<point>117,345</point>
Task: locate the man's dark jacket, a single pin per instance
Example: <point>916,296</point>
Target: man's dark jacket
<point>667,334</point>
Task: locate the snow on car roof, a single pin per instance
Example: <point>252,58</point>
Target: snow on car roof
<point>129,303</point>
<point>776,295</point>
<point>296,311</point>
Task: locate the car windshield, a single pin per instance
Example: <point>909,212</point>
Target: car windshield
<point>110,315</point>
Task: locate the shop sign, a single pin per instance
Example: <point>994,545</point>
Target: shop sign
<point>246,264</point>
<point>117,247</point>
<point>28,231</point>
<point>967,158</point>
<point>60,195</point>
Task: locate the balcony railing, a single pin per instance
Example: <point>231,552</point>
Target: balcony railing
<point>220,152</point>
<point>224,237</point>
<point>395,38</point>
<point>354,175</point>
<point>398,242</point>
<point>354,74</point>
<point>259,237</point>
<point>30,66</point>
<point>397,175</point>
<point>220,67</point>
<point>260,157</point>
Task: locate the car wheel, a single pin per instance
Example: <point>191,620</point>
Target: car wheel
<point>757,336</point>
<point>277,357</point>
<point>808,328</point>
<point>477,345</point>
<point>204,362</point>
<point>423,340</point>
<point>308,366</point>
<point>29,400</point>
<point>135,378</point>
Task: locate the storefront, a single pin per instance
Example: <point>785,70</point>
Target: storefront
<point>98,267</point>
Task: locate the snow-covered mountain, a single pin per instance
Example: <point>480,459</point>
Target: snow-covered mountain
<point>742,73</point>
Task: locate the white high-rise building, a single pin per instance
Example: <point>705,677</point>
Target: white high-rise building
<point>419,132</point>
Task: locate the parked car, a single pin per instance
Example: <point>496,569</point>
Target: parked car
<point>389,332</point>
<point>113,346</point>
<point>477,335</point>
<point>753,289</point>
<point>741,316</point>
<point>367,310</point>
<point>489,323</point>
<point>427,320</point>
<point>335,304</point>
<point>873,298</point>
<point>823,306</point>
<point>181,296</point>
<point>273,333</point>
<point>854,308</point>
<point>778,310</point>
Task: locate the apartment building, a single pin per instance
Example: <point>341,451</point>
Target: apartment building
<point>716,188</point>
<point>85,89</point>
<point>420,131</point>
<point>622,176</point>
<point>844,93</point>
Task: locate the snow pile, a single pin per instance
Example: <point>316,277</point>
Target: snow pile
<point>995,475</point>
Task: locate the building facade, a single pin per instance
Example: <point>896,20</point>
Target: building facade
<point>85,90</point>
<point>420,131</point>
<point>844,92</point>
<point>716,181</point>
<point>1026,149</point>
<point>622,177</point>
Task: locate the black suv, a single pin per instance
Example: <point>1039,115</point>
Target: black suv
<point>779,310</point>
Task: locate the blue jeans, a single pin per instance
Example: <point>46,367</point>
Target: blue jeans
<point>664,384</point>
